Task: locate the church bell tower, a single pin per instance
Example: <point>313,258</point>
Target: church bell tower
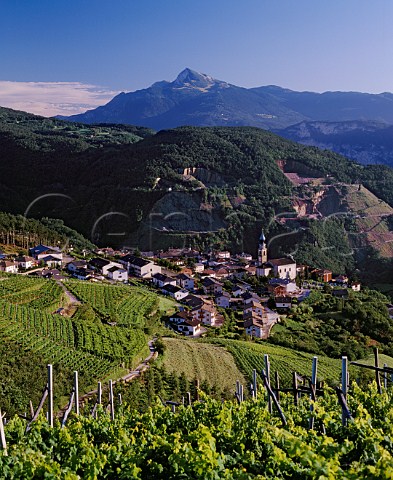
<point>262,250</point>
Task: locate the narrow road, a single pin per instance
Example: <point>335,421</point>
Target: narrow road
<point>126,378</point>
<point>71,297</point>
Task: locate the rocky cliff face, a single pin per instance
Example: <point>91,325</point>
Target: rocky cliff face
<point>366,142</point>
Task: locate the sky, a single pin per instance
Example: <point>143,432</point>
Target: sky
<point>66,56</point>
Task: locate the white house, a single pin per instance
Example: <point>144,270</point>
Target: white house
<point>223,299</point>
<point>254,326</point>
<point>160,280</point>
<point>51,261</point>
<point>8,267</point>
<point>206,314</point>
<point>41,251</point>
<point>184,323</point>
<point>254,307</point>
<point>175,292</point>
<point>211,286</point>
<point>199,267</point>
<point>185,281</point>
<point>26,262</point>
<point>287,285</point>
<point>140,267</point>
<point>76,265</point>
<point>118,274</point>
<point>283,302</point>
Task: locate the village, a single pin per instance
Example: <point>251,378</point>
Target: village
<point>204,286</point>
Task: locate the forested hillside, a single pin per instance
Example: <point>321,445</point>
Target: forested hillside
<point>212,186</point>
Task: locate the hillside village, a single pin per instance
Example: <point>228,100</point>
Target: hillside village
<point>203,285</point>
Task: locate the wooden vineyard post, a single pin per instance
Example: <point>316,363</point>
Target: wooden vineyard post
<point>76,391</point>
<point>69,408</point>
<point>31,409</point>
<point>277,380</point>
<point>273,397</point>
<point>344,386</point>
<point>189,398</point>
<point>313,388</point>
<point>120,401</point>
<point>294,386</point>
<point>377,376</point>
<point>2,435</point>
<point>267,371</point>
<point>254,384</point>
<point>50,395</point>
<point>237,391</point>
<point>111,403</point>
<point>385,377</point>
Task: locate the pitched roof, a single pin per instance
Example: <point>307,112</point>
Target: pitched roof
<point>99,262</point>
<point>113,269</point>
<point>253,321</point>
<point>171,288</point>
<point>209,281</point>
<point>183,276</point>
<point>192,301</point>
<point>162,278</point>
<point>283,299</point>
<point>278,262</point>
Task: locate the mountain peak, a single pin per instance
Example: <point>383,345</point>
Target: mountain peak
<point>191,78</point>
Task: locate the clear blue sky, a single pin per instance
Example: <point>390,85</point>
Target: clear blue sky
<point>128,44</point>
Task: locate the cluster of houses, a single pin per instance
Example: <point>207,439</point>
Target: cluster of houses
<point>199,287</point>
<point>41,255</point>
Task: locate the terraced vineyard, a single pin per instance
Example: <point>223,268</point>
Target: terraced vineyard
<point>127,306</point>
<point>35,292</point>
<point>107,330</point>
<point>250,355</point>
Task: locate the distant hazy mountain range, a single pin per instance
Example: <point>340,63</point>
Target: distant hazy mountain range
<point>360,129</point>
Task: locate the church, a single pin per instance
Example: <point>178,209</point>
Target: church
<point>284,268</point>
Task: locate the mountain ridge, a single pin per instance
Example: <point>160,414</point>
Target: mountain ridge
<point>198,99</point>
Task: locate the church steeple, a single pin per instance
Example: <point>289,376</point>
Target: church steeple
<point>262,249</point>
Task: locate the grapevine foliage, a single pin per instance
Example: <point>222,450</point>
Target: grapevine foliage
<point>211,440</point>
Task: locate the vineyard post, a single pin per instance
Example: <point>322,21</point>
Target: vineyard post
<point>313,387</point>
<point>76,390</point>
<point>188,398</point>
<point>120,401</point>
<point>385,377</point>
<point>50,395</point>
<point>31,409</point>
<point>254,383</point>
<point>294,386</point>
<point>344,385</point>
<point>2,435</point>
<point>377,376</point>
<point>267,370</point>
<point>241,393</point>
<point>277,379</point>
<point>271,393</point>
<point>112,407</point>
<point>99,393</point>
<point>197,390</point>
<point>68,410</point>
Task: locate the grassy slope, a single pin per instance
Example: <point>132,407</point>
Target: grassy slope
<point>207,362</point>
<point>250,355</point>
